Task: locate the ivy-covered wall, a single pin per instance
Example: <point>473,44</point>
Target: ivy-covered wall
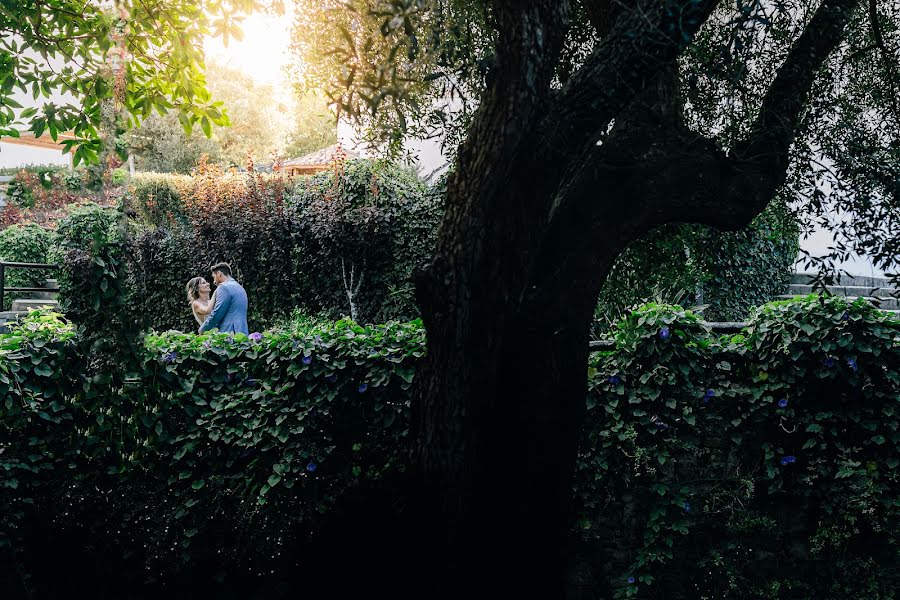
<point>759,465</point>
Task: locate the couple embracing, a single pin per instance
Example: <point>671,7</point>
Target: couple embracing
<point>226,309</point>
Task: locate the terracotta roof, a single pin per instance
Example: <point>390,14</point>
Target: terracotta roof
<point>321,157</point>
<point>45,141</point>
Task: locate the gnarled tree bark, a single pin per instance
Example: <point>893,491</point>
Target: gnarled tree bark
<point>536,215</point>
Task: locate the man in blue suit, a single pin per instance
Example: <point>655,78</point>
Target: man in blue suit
<point>229,313</point>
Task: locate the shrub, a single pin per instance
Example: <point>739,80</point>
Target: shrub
<point>728,272</point>
<point>227,433</point>
<point>370,225</point>
<point>24,243</point>
<point>44,195</point>
<point>768,459</point>
<point>90,249</point>
<point>230,217</point>
<point>711,466</point>
<point>156,198</point>
<point>376,222</point>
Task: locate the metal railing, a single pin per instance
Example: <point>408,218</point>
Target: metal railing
<point>17,265</point>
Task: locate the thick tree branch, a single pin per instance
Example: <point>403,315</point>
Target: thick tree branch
<point>600,14</point>
<point>642,41</point>
<point>529,42</point>
<point>664,173</point>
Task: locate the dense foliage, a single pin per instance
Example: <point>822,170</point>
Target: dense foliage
<point>216,434</point>
<point>727,272</point>
<point>25,243</point>
<point>392,70</point>
<point>147,55</point>
<point>44,195</point>
<point>759,465</point>
<point>290,245</point>
<point>368,226</point>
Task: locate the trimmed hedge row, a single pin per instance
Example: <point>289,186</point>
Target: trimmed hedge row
<point>222,451</point>
<point>760,465</point>
<point>343,242</point>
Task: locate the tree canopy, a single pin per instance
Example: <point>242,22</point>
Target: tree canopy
<point>391,66</point>
<point>582,125</point>
<point>78,56</point>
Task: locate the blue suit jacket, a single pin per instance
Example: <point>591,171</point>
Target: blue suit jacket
<point>229,313</point>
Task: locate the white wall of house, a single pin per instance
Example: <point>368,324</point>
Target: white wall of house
<point>819,242</point>
<point>18,155</point>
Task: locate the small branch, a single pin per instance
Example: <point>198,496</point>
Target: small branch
<point>885,54</point>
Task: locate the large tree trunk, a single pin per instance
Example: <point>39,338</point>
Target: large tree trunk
<point>536,214</point>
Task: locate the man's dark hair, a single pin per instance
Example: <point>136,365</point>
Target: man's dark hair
<point>223,268</point>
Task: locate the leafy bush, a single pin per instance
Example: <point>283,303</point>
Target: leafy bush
<point>156,198</point>
<point>225,216</point>
<point>45,195</point>
<point>90,250</point>
<point>24,243</point>
<point>729,272</point>
<point>733,466</point>
<point>290,249</point>
<point>758,465</point>
<point>220,426</point>
<point>368,227</point>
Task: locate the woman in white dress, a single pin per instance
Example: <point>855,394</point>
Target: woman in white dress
<point>198,296</point>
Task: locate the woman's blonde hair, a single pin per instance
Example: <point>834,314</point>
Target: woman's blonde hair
<point>193,289</point>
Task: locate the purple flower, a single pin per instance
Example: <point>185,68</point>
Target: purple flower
<point>789,459</point>
<point>170,357</point>
<point>207,345</point>
<point>614,380</point>
<point>782,403</point>
<point>331,378</point>
<point>227,377</point>
<point>852,364</point>
<point>707,395</point>
<point>307,360</point>
<point>828,362</point>
<point>664,333</point>
<point>845,316</point>
<point>660,425</point>
<point>256,336</point>
<point>311,467</point>
<point>630,580</point>
<point>687,507</point>
<point>363,387</point>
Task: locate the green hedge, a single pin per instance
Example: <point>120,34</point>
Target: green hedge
<point>25,243</point>
<point>757,465</point>
<point>727,272</point>
<point>156,198</point>
<point>209,430</point>
<point>292,246</point>
<point>760,465</point>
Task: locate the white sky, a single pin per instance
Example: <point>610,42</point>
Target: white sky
<point>263,53</point>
